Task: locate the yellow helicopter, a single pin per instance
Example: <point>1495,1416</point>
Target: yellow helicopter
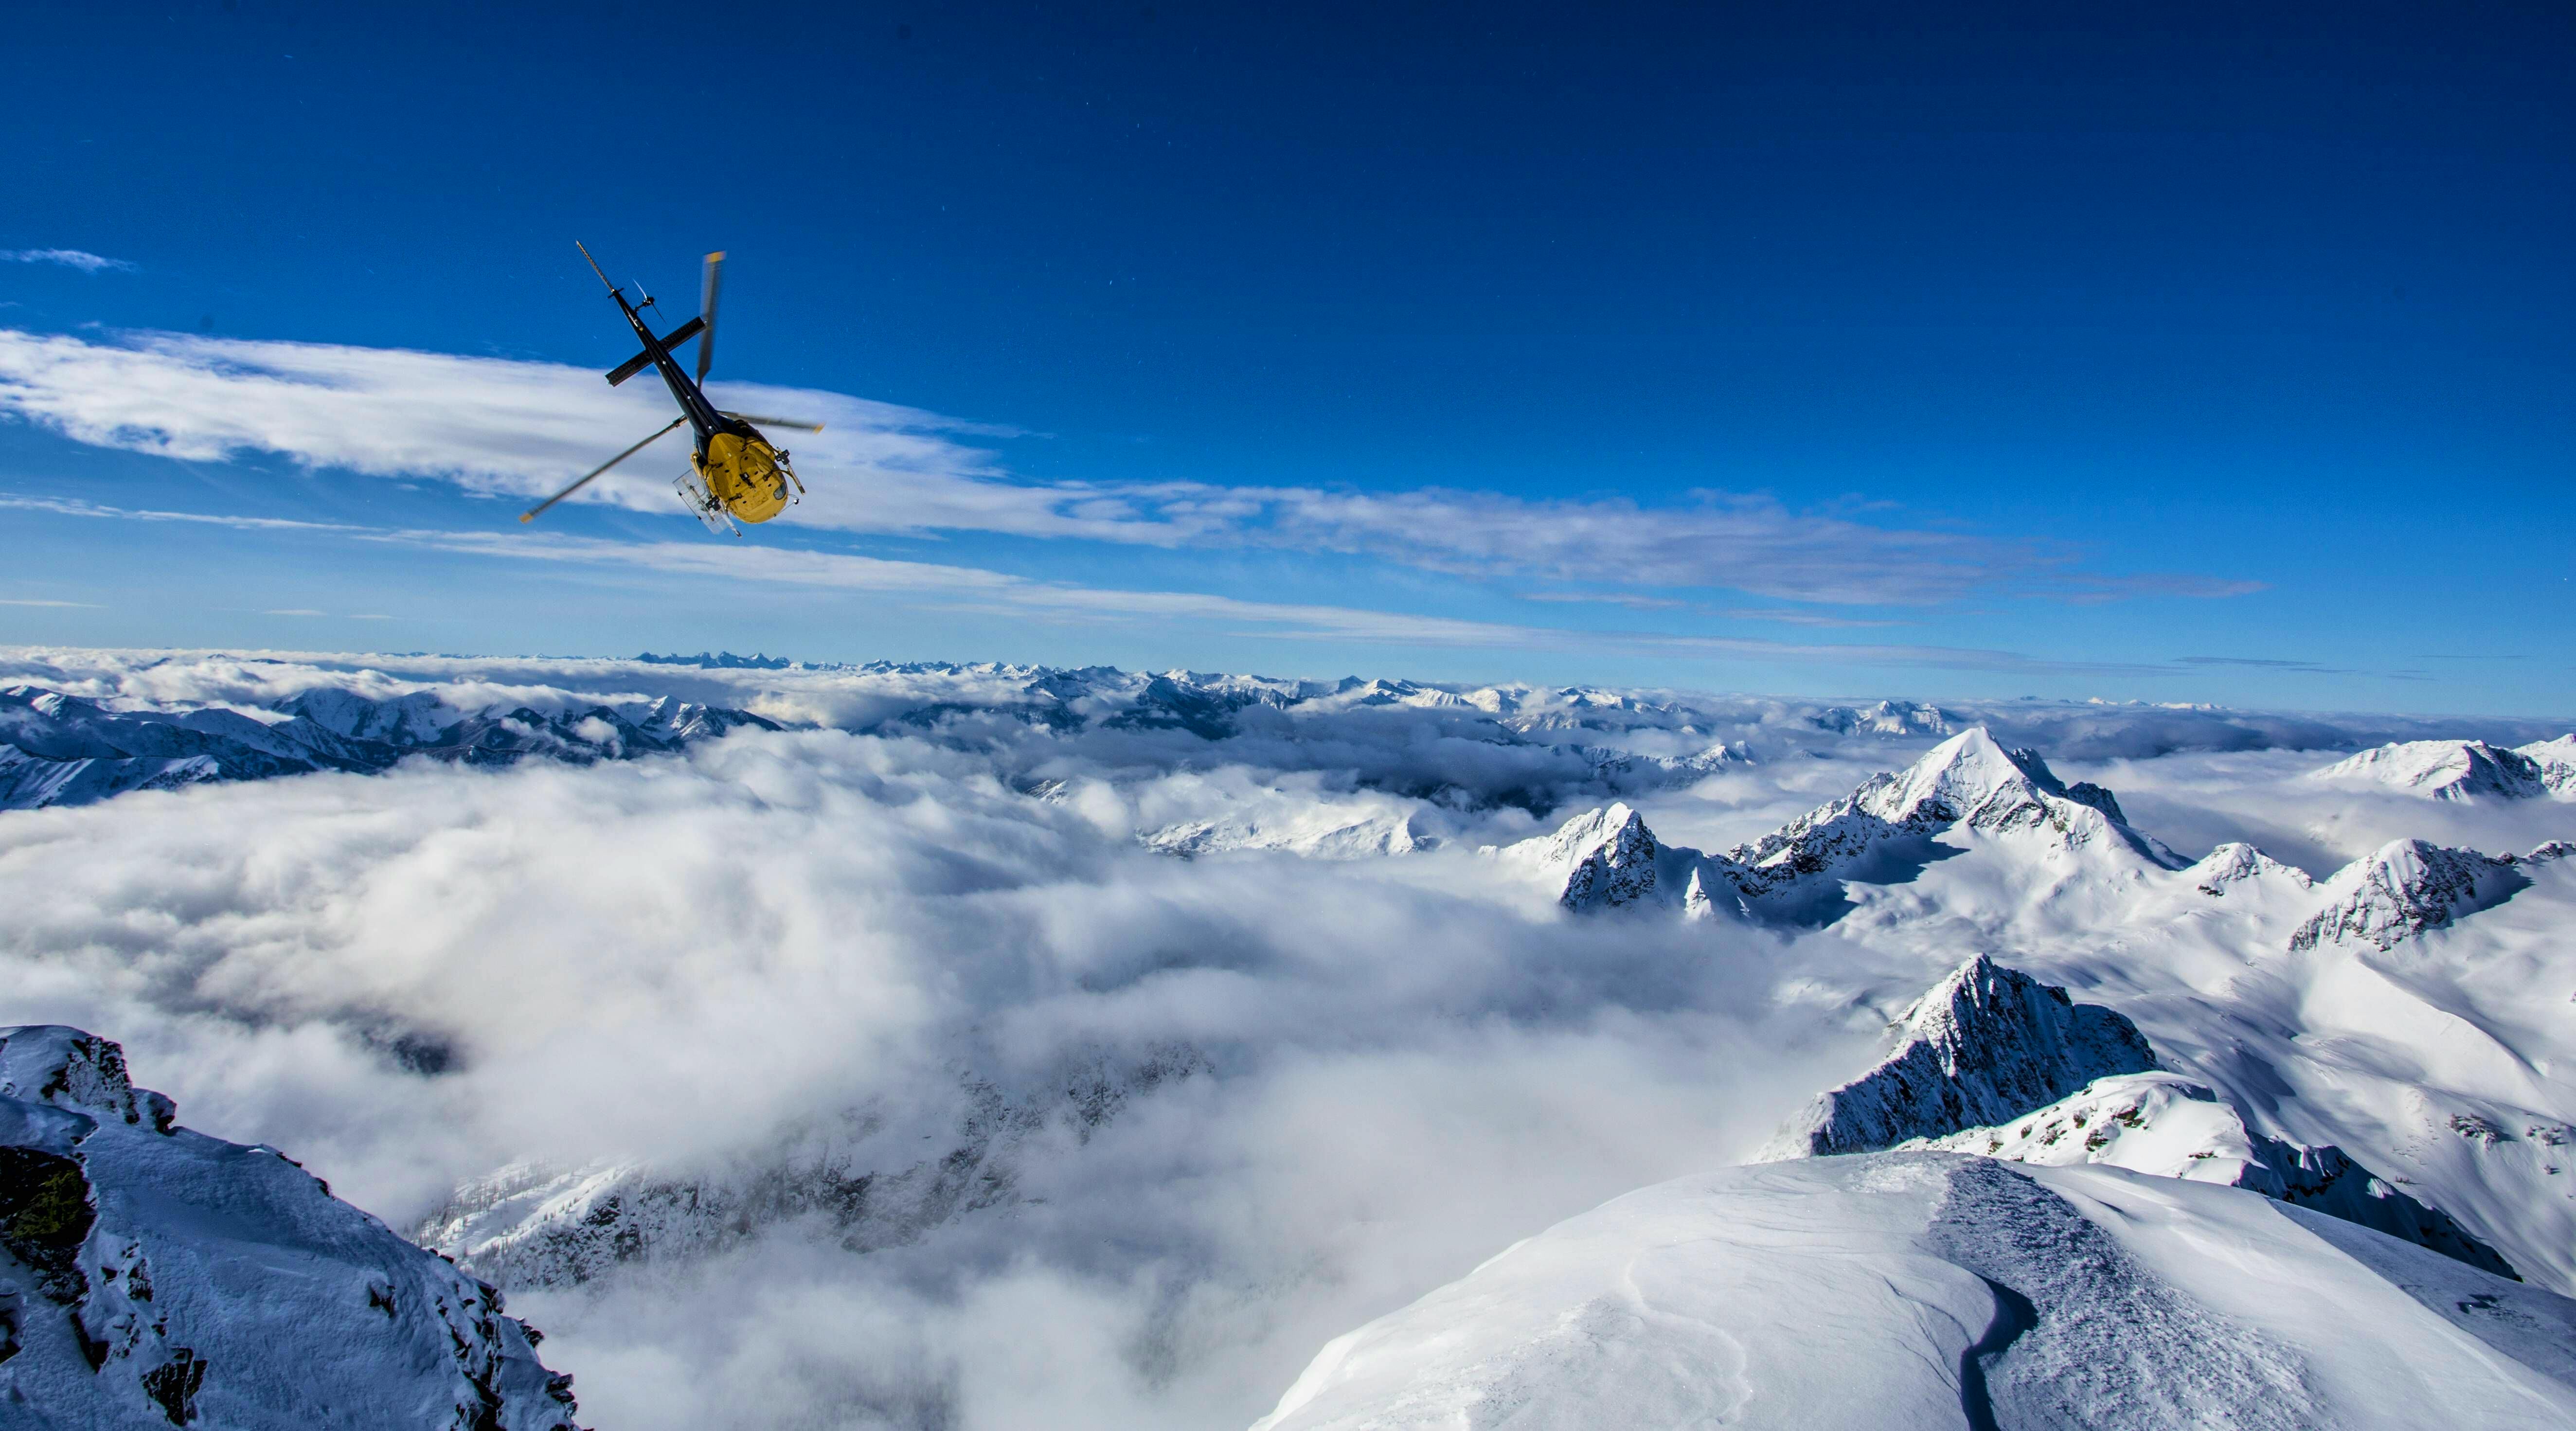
<point>735,472</point>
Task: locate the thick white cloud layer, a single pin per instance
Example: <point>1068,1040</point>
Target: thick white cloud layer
<point>523,429</point>
<point>411,980</point>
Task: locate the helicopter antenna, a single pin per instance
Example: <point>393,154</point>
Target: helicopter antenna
<point>594,265</point>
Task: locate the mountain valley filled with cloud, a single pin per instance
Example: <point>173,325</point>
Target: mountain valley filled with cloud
<point>986,1045</point>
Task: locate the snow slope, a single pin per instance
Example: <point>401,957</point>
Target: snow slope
<point>1931,1290</point>
<point>151,1276</point>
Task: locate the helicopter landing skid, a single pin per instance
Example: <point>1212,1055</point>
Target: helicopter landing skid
<point>703,504</point>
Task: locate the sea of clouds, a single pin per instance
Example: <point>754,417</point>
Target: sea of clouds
<point>1395,1066</point>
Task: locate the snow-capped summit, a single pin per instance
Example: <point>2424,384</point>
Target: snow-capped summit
<point>2235,863</point>
<point>158,1277</point>
<point>1967,782</point>
<point>1985,1045</point>
<point>2446,770</point>
<point>2404,889</point>
<point>1604,858</point>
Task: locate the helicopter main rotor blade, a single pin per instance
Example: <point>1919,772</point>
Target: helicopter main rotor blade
<point>532,513</point>
<point>707,310</point>
<point>758,421</point>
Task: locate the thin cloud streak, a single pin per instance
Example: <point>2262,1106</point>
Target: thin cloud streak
<point>523,429</point>
<point>66,258</point>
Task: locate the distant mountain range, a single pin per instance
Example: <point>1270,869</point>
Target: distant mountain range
<point>64,750</point>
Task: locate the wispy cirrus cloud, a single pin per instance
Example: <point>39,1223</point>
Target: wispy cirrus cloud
<point>521,429</point>
<point>64,257</point>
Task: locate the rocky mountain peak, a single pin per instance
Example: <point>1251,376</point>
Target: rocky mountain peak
<point>1968,781</point>
<point>1985,1045</point>
<point>65,1068</point>
<point>2406,888</point>
<point>1608,855</point>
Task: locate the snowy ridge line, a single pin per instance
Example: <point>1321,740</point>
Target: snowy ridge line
<point>2166,1125</point>
<point>1669,729</point>
<point>158,1276</point>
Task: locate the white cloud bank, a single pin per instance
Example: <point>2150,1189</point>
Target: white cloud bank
<point>1406,1063</point>
<point>679,960</point>
<point>522,429</point>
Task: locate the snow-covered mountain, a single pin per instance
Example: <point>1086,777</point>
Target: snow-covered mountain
<point>1967,788</point>
<point>1985,1045</point>
<point>152,1276</point>
<point>2460,769</point>
<point>2155,1263</point>
<point>2406,888</point>
<point>2557,762</point>
<point>1898,1290</point>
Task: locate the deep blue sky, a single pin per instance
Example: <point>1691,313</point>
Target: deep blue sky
<point>2278,300</point>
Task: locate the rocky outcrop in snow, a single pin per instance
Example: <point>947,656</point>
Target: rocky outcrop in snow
<point>2404,889</point>
<point>2166,1125</point>
<point>2447,770</point>
<point>154,1276</point>
<point>62,750</point>
<point>1986,1045</point>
